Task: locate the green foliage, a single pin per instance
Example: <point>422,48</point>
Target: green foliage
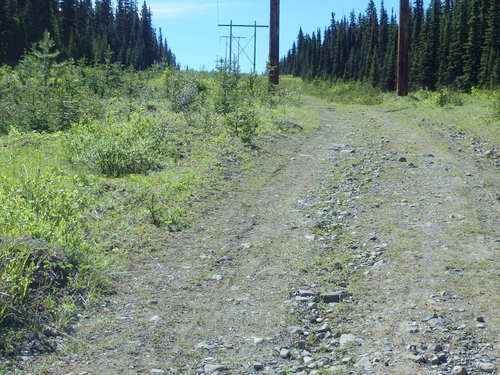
<point>227,94</point>
<point>40,213</point>
<point>161,164</point>
<point>119,147</point>
<point>103,80</point>
<point>91,30</point>
<point>183,89</point>
<point>243,122</point>
<point>494,98</point>
<point>43,95</point>
<point>452,43</point>
<point>345,92</point>
<point>166,199</point>
<point>445,97</point>
<point>45,206</point>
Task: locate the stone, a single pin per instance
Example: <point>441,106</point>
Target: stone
<point>364,363</point>
<point>211,368</point>
<point>432,359</point>
<point>486,367</point>
<point>307,360</point>
<point>436,348</point>
<point>154,318</point>
<point>323,328</point>
<point>157,371</point>
<point>300,344</point>
<point>217,277</point>
<point>257,366</point>
<point>417,358</point>
<point>305,293</point>
<point>335,296</point>
<point>443,357</point>
<point>347,338</point>
<point>204,345</point>
<point>294,330</point>
<point>224,259</point>
<point>285,353</point>
<point>489,153</point>
<point>258,340</point>
<point>458,370</point>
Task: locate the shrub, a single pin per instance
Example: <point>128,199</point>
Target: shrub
<point>227,95</point>
<point>495,104</point>
<point>117,148</point>
<point>183,89</point>
<point>355,93</point>
<point>103,80</point>
<point>42,95</point>
<point>243,122</point>
<point>444,97</point>
<point>42,240</point>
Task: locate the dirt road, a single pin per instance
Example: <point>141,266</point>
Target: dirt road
<point>368,246</point>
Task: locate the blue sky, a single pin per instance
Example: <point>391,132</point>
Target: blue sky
<point>190,26</point>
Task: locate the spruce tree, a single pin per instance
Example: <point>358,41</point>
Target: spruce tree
<point>490,52</point>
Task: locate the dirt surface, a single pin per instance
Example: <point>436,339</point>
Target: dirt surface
<point>367,246</point>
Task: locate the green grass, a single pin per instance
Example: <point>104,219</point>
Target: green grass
<point>477,113</point>
<point>77,203</point>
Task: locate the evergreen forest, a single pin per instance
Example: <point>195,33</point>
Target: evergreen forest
<point>83,29</point>
<point>453,43</point>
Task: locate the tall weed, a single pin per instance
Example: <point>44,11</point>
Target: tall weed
<point>119,147</point>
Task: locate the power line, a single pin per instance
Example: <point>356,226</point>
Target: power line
<point>255,26</point>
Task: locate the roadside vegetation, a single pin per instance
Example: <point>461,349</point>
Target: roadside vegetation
<point>101,161</point>
<point>477,112</point>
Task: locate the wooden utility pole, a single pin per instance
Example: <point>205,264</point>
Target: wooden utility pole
<point>404,21</point>
<point>274,43</point>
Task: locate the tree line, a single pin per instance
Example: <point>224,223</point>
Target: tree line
<point>453,43</point>
<point>96,31</point>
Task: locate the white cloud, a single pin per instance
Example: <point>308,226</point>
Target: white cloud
<point>175,9</point>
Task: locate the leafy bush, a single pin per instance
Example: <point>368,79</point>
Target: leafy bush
<point>103,80</point>
<point>227,95</point>
<point>183,89</point>
<point>117,148</point>
<point>166,200</point>
<point>43,95</point>
<point>495,104</point>
<point>39,214</point>
<point>243,122</point>
<point>444,97</point>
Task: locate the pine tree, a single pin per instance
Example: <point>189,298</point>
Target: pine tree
<point>473,46</point>
<point>458,43</point>
<point>490,51</point>
<point>430,59</point>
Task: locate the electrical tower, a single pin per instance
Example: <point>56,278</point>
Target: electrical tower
<point>237,38</point>
<point>231,25</point>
